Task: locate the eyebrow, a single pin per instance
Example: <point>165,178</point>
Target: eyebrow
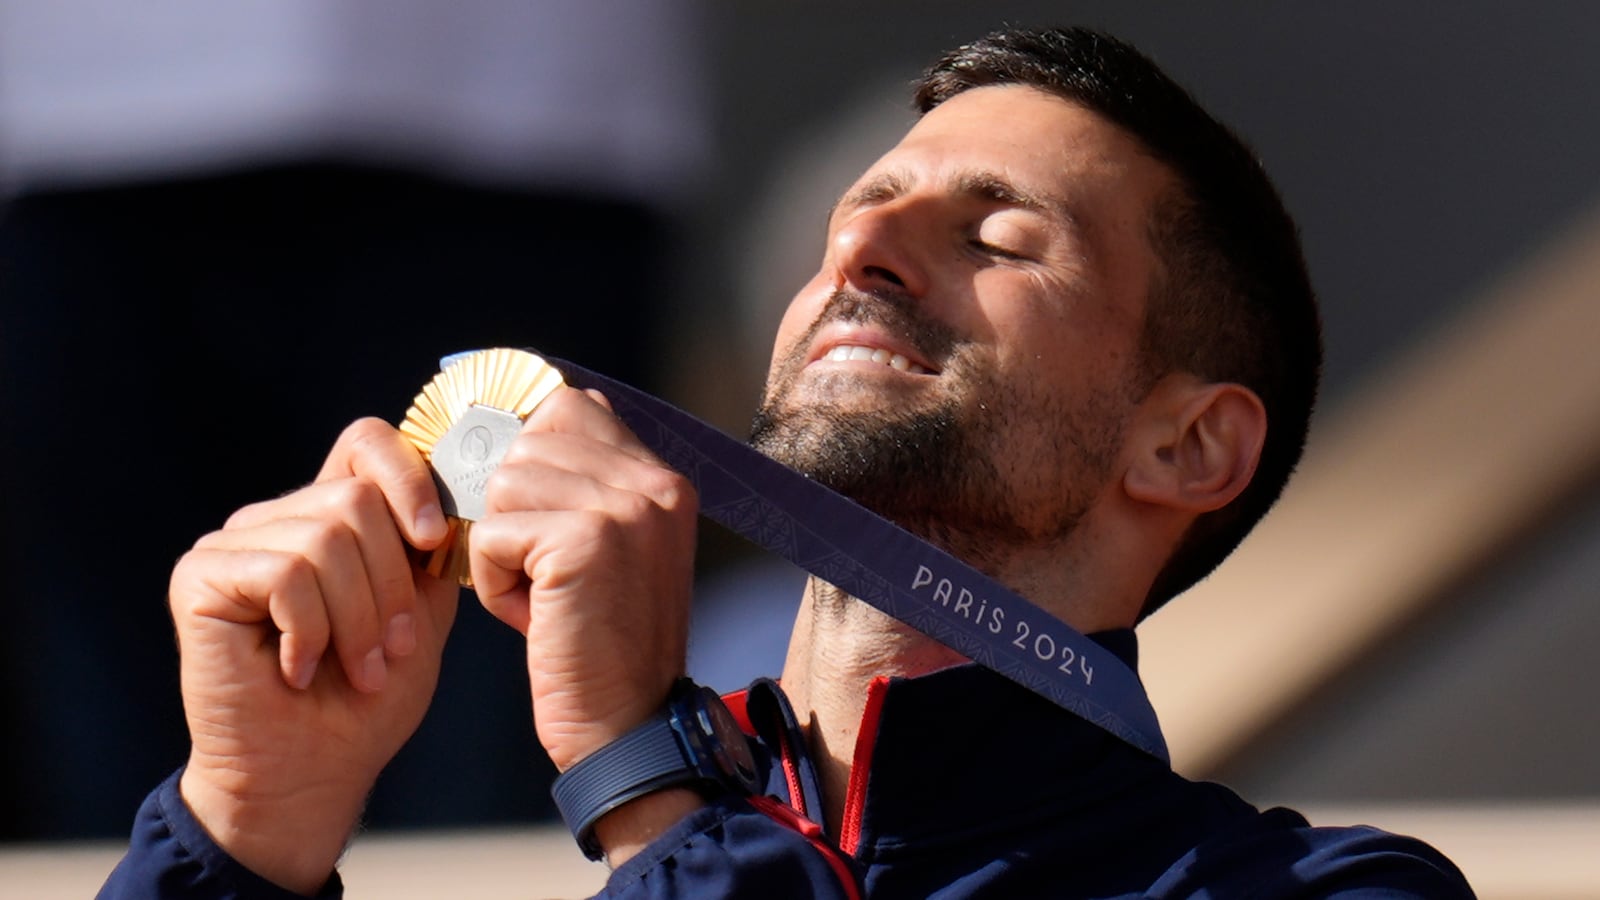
<point>883,186</point>
<point>978,184</point>
<point>990,186</point>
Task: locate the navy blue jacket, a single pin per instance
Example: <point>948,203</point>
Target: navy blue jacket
<point>964,785</point>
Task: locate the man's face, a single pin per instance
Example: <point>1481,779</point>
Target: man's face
<point>964,362</point>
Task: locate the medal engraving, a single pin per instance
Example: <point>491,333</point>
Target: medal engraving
<point>462,422</point>
<point>467,455</point>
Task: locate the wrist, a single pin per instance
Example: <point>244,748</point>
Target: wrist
<point>651,776</point>
<point>569,746</point>
<point>292,839</point>
<point>631,827</point>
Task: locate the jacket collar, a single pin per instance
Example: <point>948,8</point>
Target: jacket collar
<point>960,741</point>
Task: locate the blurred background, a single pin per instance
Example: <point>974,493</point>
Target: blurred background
<point>229,230</point>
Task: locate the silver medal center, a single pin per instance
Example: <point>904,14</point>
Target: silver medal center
<point>467,454</point>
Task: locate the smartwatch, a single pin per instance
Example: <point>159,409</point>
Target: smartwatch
<point>694,742</point>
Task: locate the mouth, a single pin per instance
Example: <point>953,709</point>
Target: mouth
<point>863,332</point>
<point>860,353</point>
<point>861,344</point>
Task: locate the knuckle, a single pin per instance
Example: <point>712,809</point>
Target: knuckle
<point>205,542</point>
<point>325,537</point>
<point>558,412</point>
<point>563,400</point>
<point>371,441</point>
<point>289,569</point>
<point>187,573</point>
<point>498,486</point>
<point>235,519</point>
<point>244,515</point>
<point>599,525</point>
<point>635,508</point>
<point>664,490</point>
<point>522,450</point>
<point>673,492</point>
<point>394,589</point>
<point>356,494</point>
<point>364,431</point>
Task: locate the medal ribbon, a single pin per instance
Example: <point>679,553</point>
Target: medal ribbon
<point>882,564</point>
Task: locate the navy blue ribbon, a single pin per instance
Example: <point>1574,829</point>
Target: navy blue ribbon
<point>882,564</point>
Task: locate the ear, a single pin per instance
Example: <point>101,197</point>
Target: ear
<point>1197,444</point>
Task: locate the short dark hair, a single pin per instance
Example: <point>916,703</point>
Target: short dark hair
<point>1232,300</point>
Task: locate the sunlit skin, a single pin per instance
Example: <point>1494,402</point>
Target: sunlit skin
<point>1018,222</point>
<point>1013,216</point>
<point>999,251</point>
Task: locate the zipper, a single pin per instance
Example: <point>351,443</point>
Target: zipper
<point>791,774</point>
<point>855,797</point>
<point>738,706</point>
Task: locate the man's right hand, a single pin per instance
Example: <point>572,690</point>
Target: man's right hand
<point>310,649</point>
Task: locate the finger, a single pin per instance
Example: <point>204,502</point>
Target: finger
<point>385,573</point>
<point>361,505</point>
<point>572,411</point>
<point>539,468</point>
<point>373,449</point>
<point>299,612</point>
<point>251,587</point>
<point>514,551</point>
<point>502,560</point>
<point>330,550</point>
<point>556,472</point>
<point>600,489</point>
<point>600,398</point>
<point>350,604</point>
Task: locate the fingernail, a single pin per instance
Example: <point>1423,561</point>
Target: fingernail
<point>429,523</point>
<point>373,670</point>
<point>302,673</point>
<point>298,668</point>
<point>400,638</point>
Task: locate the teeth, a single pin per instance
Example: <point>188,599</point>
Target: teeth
<point>846,353</point>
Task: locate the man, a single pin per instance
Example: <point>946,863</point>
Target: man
<point>1049,333</point>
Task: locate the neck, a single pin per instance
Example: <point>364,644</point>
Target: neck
<point>839,646</point>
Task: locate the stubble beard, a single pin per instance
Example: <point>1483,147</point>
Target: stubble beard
<point>913,467</point>
<point>942,470</point>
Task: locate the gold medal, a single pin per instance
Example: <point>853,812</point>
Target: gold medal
<point>463,421</point>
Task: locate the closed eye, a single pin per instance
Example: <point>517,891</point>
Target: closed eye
<point>1010,234</point>
<point>995,250</point>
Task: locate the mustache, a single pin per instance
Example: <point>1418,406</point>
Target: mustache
<point>892,311</point>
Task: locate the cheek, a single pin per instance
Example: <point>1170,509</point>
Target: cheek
<point>784,344</point>
<point>800,315</point>
<point>788,344</point>
<point>1063,333</point>
<point>1032,339</point>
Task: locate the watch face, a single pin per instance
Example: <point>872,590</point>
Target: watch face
<point>728,745</point>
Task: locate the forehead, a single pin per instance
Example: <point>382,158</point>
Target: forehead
<point>1055,151</point>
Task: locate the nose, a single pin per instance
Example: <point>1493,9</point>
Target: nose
<point>881,248</point>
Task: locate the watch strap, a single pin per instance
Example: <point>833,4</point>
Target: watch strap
<point>648,758</point>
